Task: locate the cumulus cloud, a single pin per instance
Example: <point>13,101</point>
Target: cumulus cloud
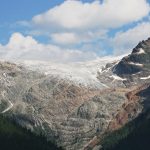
<point>65,38</point>
<point>21,47</point>
<point>78,31</point>
<point>124,42</point>
<point>77,15</point>
<point>73,38</point>
<point>75,22</point>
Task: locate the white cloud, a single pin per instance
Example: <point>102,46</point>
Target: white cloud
<point>84,25</point>
<point>18,41</point>
<point>77,15</point>
<point>27,48</point>
<point>74,22</point>
<point>73,38</point>
<point>65,38</point>
<point>124,42</point>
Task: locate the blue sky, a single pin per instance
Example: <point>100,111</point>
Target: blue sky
<point>16,10</point>
<point>75,30</point>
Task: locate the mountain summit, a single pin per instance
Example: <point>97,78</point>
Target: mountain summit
<point>138,60</point>
<point>77,105</point>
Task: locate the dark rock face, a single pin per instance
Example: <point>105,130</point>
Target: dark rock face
<point>135,68</point>
<point>137,61</point>
<point>145,93</point>
<point>144,44</point>
<point>124,68</point>
<point>145,96</point>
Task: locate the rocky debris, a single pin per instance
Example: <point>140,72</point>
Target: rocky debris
<point>130,109</point>
<point>73,115</point>
<point>70,114</point>
<point>134,83</point>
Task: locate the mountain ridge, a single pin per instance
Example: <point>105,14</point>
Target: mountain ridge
<point>73,113</point>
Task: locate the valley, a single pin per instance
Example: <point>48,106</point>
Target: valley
<point>76,106</point>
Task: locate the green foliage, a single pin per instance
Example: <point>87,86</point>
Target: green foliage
<point>13,137</point>
<point>134,136</point>
<point>113,138</point>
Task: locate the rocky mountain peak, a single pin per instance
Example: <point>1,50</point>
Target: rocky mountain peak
<point>145,45</point>
<point>137,61</point>
<point>76,105</point>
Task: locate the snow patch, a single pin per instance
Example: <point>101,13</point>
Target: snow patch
<point>118,78</point>
<point>136,64</point>
<point>141,51</point>
<point>83,73</point>
<point>7,109</point>
<point>145,78</point>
